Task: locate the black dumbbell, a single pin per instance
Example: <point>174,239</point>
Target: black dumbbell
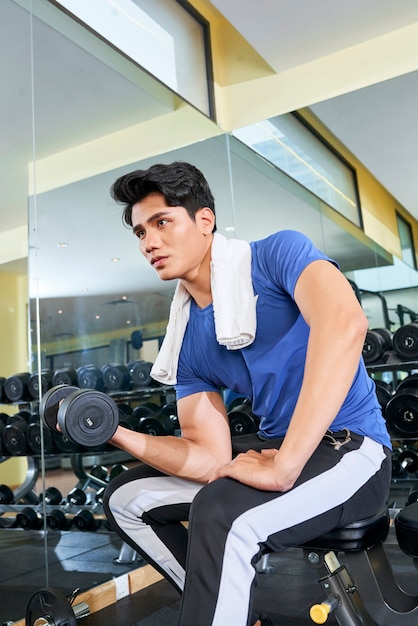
<point>76,496</point>
<point>405,342</point>
<point>14,434</point>
<point>16,387</point>
<point>158,424</point>
<point>401,412</point>
<point>115,470</point>
<point>57,520</point>
<point>34,436</point>
<point>85,416</point>
<point>45,380</point>
<point>29,519</point>
<point>242,420</point>
<point>85,521</point>
<point>116,377</point>
<point>6,495</point>
<point>377,342</point>
<point>3,398</point>
<point>65,376</point>
<point>384,392</point>
<point>51,496</point>
<point>90,377</point>
<point>408,460</point>
<point>140,374</point>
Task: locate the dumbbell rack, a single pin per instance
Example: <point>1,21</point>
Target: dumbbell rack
<point>405,448</point>
<point>24,496</point>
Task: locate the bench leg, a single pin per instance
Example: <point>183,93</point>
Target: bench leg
<point>342,596</point>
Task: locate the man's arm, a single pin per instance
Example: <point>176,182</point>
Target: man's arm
<point>204,446</point>
<point>337,331</point>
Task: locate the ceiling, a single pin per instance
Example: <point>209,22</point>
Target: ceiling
<point>377,122</point>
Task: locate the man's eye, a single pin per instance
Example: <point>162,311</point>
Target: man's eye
<point>162,222</point>
<point>140,234</point>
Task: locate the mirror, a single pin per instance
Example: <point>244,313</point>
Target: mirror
<point>93,300</point>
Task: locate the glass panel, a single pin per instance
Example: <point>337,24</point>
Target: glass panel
<point>165,38</point>
<point>294,149</point>
<point>407,242</point>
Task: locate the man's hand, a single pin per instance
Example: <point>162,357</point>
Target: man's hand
<point>257,469</point>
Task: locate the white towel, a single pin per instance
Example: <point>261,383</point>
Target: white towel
<point>234,306</point>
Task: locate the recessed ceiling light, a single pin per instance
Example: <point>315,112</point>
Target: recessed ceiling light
<point>115,259</point>
<point>230,229</point>
<point>62,245</point>
<point>60,311</point>
<point>97,317</point>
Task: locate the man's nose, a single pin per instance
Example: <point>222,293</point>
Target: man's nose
<point>151,241</point>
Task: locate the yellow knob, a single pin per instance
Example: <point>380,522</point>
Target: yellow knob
<point>319,612</point>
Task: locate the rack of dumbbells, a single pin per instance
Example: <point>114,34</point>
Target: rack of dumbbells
<point>78,412</point>
<point>397,353</point>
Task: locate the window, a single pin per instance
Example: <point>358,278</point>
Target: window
<point>168,39</point>
<point>407,242</point>
<point>296,150</point>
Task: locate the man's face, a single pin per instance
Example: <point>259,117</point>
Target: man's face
<point>170,240</point>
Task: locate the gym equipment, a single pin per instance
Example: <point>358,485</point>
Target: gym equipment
<point>64,376</point>
<point>360,588</point>
<point>115,470</point>
<point>14,435</point>
<point>76,496</point>
<point>3,398</point>
<point>29,519</point>
<point>242,420</point>
<point>85,416</point>
<point>33,436</point>
<point>408,460</point>
<point>116,377</point>
<point>405,341</point>
<point>57,520</point>
<point>140,374</point>
<point>90,377</point>
<point>50,607</point>
<point>377,342</point>
<point>85,521</point>
<point>65,445</point>
<point>51,496</point>
<point>401,412</point>
<point>6,495</point>
<point>164,422</point>
<point>16,387</point>
<point>33,383</point>
<point>384,393</point>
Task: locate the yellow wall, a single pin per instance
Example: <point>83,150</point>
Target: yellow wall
<point>13,355</point>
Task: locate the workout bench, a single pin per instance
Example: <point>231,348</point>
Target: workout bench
<point>361,590</point>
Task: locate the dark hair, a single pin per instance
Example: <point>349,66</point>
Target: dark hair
<point>180,183</point>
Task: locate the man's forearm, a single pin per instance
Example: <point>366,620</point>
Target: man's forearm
<point>176,456</point>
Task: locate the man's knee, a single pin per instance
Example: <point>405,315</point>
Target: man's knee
<point>210,505</point>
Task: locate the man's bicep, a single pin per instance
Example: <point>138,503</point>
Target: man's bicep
<point>203,419</point>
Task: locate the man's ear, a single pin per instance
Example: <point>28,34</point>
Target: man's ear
<point>206,219</point>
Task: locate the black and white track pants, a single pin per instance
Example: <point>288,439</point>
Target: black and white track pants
<point>230,524</point>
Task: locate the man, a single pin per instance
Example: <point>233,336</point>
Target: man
<point>277,322</point>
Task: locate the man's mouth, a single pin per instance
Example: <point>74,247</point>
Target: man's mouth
<point>157,261</point>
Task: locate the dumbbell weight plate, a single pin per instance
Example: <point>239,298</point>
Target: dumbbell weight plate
<point>49,606</point>
<point>88,417</point>
<point>410,381</point>
<point>373,348</point>
<point>401,413</point>
<point>405,341</point>
<point>50,402</point>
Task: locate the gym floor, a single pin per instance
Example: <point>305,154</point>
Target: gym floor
<point>77,560</point>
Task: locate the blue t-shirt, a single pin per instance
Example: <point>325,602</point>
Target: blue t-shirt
<point>270,370</point>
